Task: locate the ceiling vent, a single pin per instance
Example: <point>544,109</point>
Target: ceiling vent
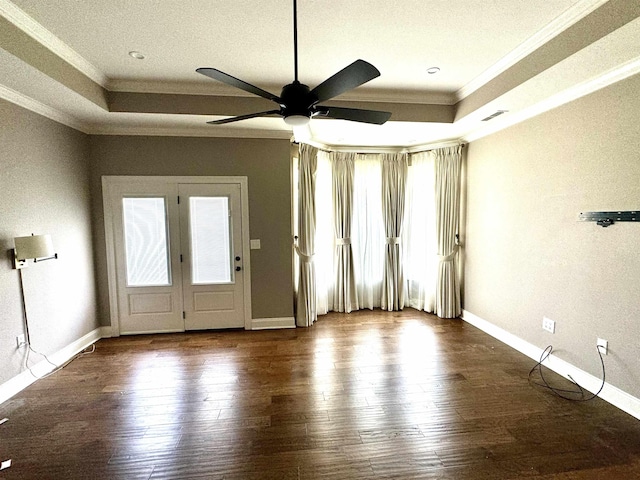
<point>494,115</point>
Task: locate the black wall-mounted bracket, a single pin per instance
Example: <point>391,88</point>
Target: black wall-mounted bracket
<point>604,219</point>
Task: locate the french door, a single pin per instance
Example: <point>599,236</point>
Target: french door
<point>179,253</point>
<point>212,259</point>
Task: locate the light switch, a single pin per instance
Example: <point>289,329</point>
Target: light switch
<point>255,244</point>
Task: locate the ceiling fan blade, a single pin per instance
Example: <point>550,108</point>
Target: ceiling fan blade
<point>354,114</point>
<point>244,117</point>
<point>236,82</point>
<point>350,77</point>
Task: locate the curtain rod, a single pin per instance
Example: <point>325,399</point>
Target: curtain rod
<point>373,151</point>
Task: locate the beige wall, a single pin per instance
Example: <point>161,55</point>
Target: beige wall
<point>265,163</point>
<point>44,188</point>
<point>527,256</point>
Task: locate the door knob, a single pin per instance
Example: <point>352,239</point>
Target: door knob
<point>238,268</point>
<point>237,259</point>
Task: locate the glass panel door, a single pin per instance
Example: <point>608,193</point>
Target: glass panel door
<point>212,269</point>
<point>147,256</point>
<point>175,253</point>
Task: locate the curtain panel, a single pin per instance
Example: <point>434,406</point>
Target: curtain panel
<point>345,297</point>
<point>367,235</point>
<point>448,164</point>
<point>394,179</point>
<point>419,241</point>
<point>325,241</point>
<point>385,231</point>
<point>306,312</point>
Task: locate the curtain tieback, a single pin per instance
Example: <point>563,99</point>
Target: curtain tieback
<point>393,240</point>
<point>450,257</point>
<point>303,257</point>
<point>343,241</point>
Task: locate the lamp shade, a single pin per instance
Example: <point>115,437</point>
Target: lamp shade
<point>34,246</point>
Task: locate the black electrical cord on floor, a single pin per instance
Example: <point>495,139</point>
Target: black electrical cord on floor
<point>560,392</point>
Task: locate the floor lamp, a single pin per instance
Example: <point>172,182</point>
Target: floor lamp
<point>38,248</point>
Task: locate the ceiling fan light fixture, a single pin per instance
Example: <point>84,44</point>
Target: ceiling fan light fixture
<point>297,102</point>
<point>297,120</point>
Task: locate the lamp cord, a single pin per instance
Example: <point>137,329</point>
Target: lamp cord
<point>26,331</point>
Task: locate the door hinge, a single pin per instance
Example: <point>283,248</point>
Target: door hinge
<point>184,315</point>
<point>178,199</point>
<point>180,258</point>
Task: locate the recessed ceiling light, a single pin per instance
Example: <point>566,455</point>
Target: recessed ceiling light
<point>433,70</point>
<point>136,55</point>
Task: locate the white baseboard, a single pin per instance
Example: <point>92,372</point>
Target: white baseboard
<point>272,323</point>
<point>21,381</point>
<point>616,397</point>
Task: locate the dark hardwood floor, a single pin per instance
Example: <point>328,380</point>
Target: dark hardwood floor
<point>369,395</point>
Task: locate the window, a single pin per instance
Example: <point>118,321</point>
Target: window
<point>145,230</point>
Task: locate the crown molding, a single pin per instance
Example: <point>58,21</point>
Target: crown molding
<point>176,88</point>
<point>568,18</point>
<point>35,106</point>
<point>399,96</point>
<point>363,149</point>
<point>214,131</point>
<point>614,75</point>
<point>219,89</point>
<point>453,142</point>
<point>32,28</point>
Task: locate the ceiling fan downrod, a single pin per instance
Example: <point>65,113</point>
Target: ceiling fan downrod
<point>297,102</point>
<point>295,40</point>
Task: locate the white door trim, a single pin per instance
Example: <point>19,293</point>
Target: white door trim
<point>109,188</point>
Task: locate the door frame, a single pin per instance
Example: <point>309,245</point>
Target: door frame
<point>110,187</point>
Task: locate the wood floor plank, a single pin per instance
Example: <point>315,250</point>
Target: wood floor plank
<point>369,395</point>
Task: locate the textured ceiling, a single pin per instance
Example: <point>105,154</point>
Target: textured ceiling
<point>486,52</point>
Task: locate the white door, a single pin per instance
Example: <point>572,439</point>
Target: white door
<point>212,259</point>
<point>146,226</point>
<point>176,254</point>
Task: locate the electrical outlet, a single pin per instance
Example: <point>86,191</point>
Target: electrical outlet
<point>603,346</point>
<point>548,325</point>
<point>20,340</point>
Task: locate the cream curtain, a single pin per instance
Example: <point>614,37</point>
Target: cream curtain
<point>448,163</point>
<point>344,287</point>
<point>367,235</point>
<point>306,300</point>
<point>402,231</point>
<point>325,241</point>
<point>394,178</point>
<point>419,242</point>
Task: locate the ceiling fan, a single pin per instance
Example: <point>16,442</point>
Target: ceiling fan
<point>297,103</point>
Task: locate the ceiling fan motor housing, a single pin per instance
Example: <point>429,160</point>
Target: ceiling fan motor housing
<point>296,99</point>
